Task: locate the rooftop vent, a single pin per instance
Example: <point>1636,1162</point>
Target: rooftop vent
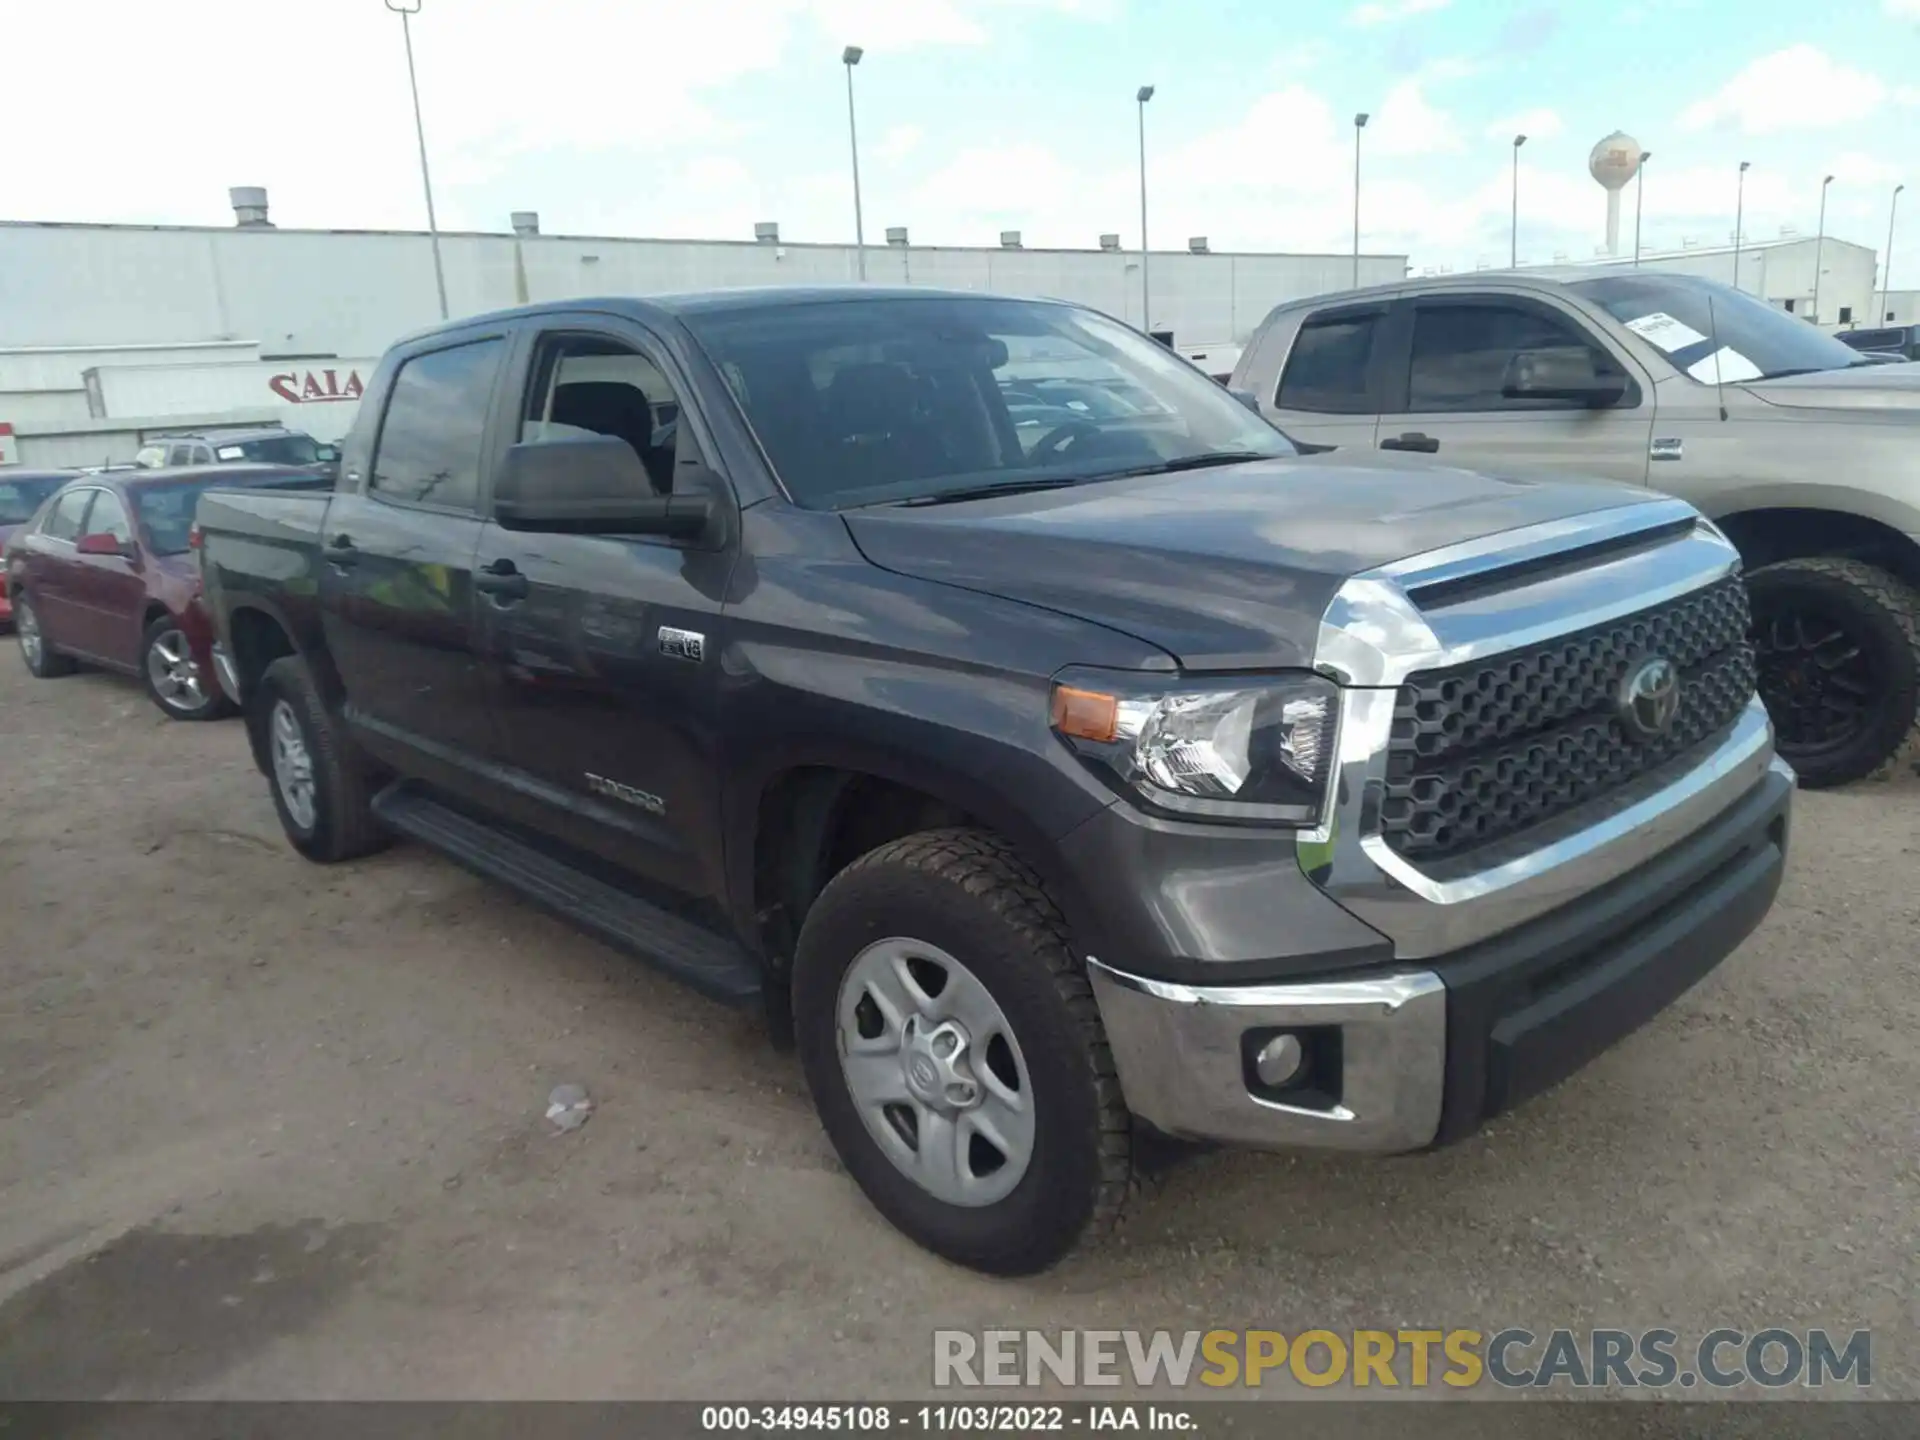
<point>526,222</point>
<point>1009,239</point>
<point>767,232</point>
<point>896,234</point>
<point>1198,245</point>
<point>249,207</point>
<point>1109,242</point>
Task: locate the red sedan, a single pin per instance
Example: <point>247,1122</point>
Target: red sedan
<point>104,573</point>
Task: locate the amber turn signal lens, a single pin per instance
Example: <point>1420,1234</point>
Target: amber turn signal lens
<point>1086,714</point>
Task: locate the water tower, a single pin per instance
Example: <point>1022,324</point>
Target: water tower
<point>1614,161</point>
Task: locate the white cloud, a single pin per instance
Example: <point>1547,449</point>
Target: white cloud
<point>1902,9</point>
<point>1408,124</point>
<point>1386,12</point>
<point>1534,124</point>
<point>899,142</point>
<point>1772,95</point>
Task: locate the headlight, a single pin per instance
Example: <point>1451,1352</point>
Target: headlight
<point>1252,750</point>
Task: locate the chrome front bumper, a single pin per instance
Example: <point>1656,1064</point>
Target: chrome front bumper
<point>1424,1051</point>
<point>1180,1050</point>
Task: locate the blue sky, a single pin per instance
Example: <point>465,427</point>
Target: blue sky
<point>672,117</point>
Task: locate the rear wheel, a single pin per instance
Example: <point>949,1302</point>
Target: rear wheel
<point>42,659</point>
<point>956,1054</point>
<point>320,788</point>
<point>1838,643</point>
<point>173,678</point>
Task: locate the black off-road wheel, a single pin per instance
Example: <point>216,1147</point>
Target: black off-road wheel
<point>1838,643</point>
<point>956,1055</point>
<point>320,785</point>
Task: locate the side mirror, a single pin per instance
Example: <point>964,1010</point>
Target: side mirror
<point>593,485</point>
<point>101,543</point>
<point>1564,372</point>
<point>1248,399</point>
<point>327,454</point>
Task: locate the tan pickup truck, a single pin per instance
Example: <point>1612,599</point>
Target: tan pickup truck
<point>1804,452</point>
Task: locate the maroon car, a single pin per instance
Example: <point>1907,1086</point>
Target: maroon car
<point>21,493</point>
<point>104,573</point>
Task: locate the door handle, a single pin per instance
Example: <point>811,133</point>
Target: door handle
<point>341,552</point>
<point>1412,440</point>
<point>502,580</point>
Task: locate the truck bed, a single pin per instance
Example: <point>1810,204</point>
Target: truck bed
<point>260,548</point>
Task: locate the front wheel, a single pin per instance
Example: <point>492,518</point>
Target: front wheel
<point>956,1055</point>
<point>173,677</point>
<point>1838,643</point>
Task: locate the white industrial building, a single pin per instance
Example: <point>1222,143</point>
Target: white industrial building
<point>1781,273</point>
<point>109,332</point>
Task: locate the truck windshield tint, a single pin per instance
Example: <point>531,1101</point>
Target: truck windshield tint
<point>20,498</point>
<point>864,402</point>
<point>1751,339</point>
<point>279,450</point>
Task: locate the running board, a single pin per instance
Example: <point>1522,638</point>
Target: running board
<point>710,963</point>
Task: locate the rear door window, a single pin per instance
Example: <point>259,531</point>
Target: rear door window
<point>428,452</point>
<point>63,521</point>
<point>1327,372</point>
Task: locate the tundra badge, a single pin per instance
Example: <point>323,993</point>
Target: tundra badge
<point>626,794</point>
<point>683,644</point>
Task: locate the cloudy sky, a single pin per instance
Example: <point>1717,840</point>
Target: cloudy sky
<point>699,117</point>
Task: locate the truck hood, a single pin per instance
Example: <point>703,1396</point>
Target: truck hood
<point>1858,387</point>
<point>1222,569</point>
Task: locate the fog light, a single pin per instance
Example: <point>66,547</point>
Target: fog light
<point>1279,1060</point>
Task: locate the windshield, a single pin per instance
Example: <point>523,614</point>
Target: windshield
<point>276,450</point>
<point>1755,341</point>
<point>166,511</point>
<point>860,402</point>
<point>19,498</point>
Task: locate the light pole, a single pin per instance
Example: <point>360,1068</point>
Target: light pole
<point>1514,258</point>
<point>1639,200</point>
<point>850,57</point>
<point>406,9</point>
<point>1886,279</point>
<point>1359,124</point>
<point>1820,244</point>
<point>1144,94</point>
<point>1739,210</point>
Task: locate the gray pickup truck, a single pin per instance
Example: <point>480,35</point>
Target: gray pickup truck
<point>1804,452</point>
<point>1056,753</point>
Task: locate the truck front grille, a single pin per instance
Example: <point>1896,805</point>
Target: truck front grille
<point>1486,749</point>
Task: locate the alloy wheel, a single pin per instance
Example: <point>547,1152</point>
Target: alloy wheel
<point>174,673</point>
<point>292,765</point>
<point>26,626</point>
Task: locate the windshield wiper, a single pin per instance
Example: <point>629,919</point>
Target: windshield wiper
<point>1206,460</point>
<point>997,487</point>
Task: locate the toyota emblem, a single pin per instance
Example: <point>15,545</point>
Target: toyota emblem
<point>1650,698</point>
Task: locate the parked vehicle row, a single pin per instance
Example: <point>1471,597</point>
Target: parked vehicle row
<point>100,570</point>
<point>1055,751</point>
<point>1801,450</point>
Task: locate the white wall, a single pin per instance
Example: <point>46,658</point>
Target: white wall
<point>1782,271</point>
<point>352,293</point>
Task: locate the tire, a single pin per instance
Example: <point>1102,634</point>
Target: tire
<point>330,817</point>
<point>42,660</point>
<point>173,679</point>
<point>967,898</point>
<point>1839,650</point>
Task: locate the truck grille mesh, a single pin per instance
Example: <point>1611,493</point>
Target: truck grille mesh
<point>1486,749</point>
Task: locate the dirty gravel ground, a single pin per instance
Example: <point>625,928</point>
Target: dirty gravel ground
<point>269,1130</point>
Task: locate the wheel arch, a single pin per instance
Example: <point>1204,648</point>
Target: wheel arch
<point>1765,535</point>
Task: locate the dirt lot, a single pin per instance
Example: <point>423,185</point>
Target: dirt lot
<point>269,1130</point>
